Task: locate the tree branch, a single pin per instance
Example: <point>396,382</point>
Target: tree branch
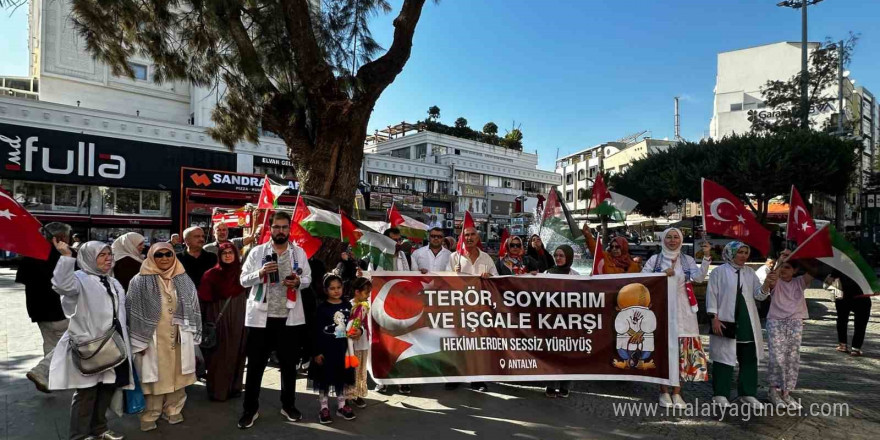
<point>376,75</point>
<point>310,65</point>
<point>248,58</point>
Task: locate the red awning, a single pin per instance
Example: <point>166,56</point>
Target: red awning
<point>63,218</point>
<point>139,221</point>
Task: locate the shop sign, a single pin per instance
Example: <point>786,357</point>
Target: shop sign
<point>272,161</point>
<point>466,190</point>
<point>229,181</point>
<point>390,190</point>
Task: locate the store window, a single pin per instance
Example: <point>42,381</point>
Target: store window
<point>128,201</point>
<point>34,196</point>
<point>67,197</point>
<point>283,172</point>
<point>122,201</point>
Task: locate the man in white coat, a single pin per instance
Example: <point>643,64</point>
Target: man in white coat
<point>736,327</point>
<point>278,315</point>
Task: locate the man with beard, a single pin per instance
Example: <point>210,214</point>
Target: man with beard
<point>221,235</point>
<point>278,316</point>
<point>194,259</point>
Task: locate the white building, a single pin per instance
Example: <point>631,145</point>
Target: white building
<point>106,153</point>
<point>578,171</point>
<point>447,171</point>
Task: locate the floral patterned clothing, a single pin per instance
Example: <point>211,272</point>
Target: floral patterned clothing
<point>784,340</point>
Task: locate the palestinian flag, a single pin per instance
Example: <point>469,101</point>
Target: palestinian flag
<point>622,204</point>
<point>323,223</point>
<point>350,232</point>
<point>379,249</point>
<point>601,202</point>
<point>298,234</point>
<point>409,227</point>
<point>557,218</point>
<point>598,258</point>
<point>270,194</point>
<point>826,252</point>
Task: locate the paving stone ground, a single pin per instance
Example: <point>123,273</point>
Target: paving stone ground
<point>508,411</point>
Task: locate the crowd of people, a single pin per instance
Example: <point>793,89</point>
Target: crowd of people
<point>115,318</point>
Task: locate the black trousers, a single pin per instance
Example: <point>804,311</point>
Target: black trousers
<point>861,309</point>
<point>286,341</point>
<point>88,410</point>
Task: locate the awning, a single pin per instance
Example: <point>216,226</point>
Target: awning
<point>104,219</point>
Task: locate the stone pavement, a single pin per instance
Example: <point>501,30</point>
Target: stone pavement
<point>508,411</point>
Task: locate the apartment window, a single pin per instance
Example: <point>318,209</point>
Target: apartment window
<point>582,175</point>
<point>421,151</point>
<point>583,194</point>
<point>569,196</point>
<point>736,107</point>
<point>140,71</point>
<point>750,105</point>
<point>569,179</point>
<point>401,152</point>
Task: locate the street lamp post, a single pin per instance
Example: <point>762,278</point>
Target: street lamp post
<point>805,73</point>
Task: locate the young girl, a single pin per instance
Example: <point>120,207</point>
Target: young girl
<point>328,368</point>
<point>360,307</point>
<point>785,325</point>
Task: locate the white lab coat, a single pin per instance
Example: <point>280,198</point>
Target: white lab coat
<point>258,312</point>
<point>721,301</point>
<point>88,306</point>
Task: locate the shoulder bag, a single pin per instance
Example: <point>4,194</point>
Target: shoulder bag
<point>209,329</point>
<point>102,353</point>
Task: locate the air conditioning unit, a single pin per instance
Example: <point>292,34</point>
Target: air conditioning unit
<point>507,184</point>
<point>449,224</point>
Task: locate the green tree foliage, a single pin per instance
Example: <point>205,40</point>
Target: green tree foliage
<point>433,113</point>
<point>513,139</point>
<point>783,97</point>
<point>490,129</point>
<point>311,76</point>
<point>461,123</point>
<point>753,166</point>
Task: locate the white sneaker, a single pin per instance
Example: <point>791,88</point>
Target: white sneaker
<point>678,401</point>
<point>721,401</point>
<point>665,400</point>
<point>792,403</point>
<point>776,398</point>
<point>752,401</point>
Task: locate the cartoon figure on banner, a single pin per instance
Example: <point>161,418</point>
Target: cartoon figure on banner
<point>635,325</point>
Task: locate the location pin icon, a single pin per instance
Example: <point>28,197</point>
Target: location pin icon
<point>502,362</point>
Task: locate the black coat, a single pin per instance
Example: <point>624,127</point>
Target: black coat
<point>43,303</point>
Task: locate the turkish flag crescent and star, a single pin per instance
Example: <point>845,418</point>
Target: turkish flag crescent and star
<point>800,222</point>
<point>725,214</point>
<point>20,231</point>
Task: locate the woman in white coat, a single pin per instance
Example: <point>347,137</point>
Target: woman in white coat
<point>736,328</point>
<point>165,325</point>
<point>94,302</point>
<point>692,360</point>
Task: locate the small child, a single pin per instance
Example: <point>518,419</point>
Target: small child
<point>331,343</point>
<point>359,335</point>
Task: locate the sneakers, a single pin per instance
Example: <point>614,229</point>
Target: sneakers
<point>381,389</point>
<point>148,426</point>
<point>752,401</point>
<point>40,383</point>
<point>678,402</point>
<point>550,392</point>
<point>291,413</point>
<point>721,401</point>
<point>562,392</point>
<point>324,416</point>
<point>110,435</point>
<point>776,397</point>
<point>359,402</point>
<point>246,421</point>
<point>173,419</point>
<point>405,389</point>
<point>791,403</point>
<point>665,400</point>
<point>346,413</point>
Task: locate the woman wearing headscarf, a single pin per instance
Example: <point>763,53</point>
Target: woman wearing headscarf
<point>128,256</point>
<point>563,257</point>
<point>165,326</point>
<point>536,251</point>
<point>693,364</point>
<point>220,294</point>
<point>516,262</point>
<point>617,257</point>
<point>736,328</point>
<point>95,303</point>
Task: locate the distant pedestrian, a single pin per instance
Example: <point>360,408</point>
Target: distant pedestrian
<point>77,242</point>
<point>224,304</point>
<point>848,300</point>
<point>693,364</point>
<point>176,243</point>
<point>785,327</point>
<point>95,303</point>
<point>128,256</point>
<point>166,326</point>
<point>327,371</point>
<point>43,303</point>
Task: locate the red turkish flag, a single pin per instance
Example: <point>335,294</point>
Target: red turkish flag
<point>725,214</point>
<point>20,231</point>
<point>394,217</point>
<point>505,235</point>
<point>467,223</point>
<point>817,245</point>
<point>800,223</point>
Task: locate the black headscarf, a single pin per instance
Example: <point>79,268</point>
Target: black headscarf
<point>569,257</point>
<point>543,258</point>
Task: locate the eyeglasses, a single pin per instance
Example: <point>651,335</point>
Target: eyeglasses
<point>163,254</point>
<point>438,237</point>
<point>514,245</point>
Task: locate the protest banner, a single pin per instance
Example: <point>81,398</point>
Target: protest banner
<point>448,328</point>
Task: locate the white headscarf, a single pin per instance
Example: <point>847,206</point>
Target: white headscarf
<point>126,246</point>
<point>87,258</point>
<point>669,253</point>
